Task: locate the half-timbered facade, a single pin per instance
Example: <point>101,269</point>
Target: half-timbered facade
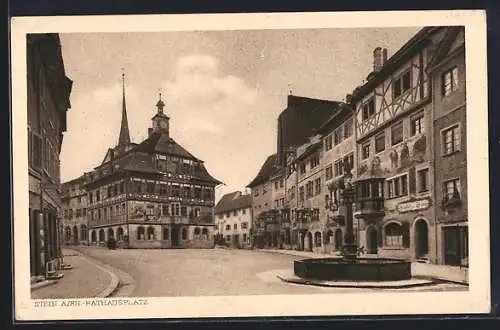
<point>154,194</point>
<point>395,203</point>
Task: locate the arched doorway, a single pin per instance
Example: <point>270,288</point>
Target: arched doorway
<point>310,241</point>
<point>338,239</point>
<point>83,233</point>
<point>111,233</point>
<point>101,236</point>
<point>119,234</point>
<point>371,240</point>
<point>75,234</point>
<point>317,239</point>
<point>151,233</point>
<point>67,234</point>
<point>421,238</point>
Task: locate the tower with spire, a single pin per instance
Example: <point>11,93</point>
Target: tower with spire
<point>161,121</point>
<point>124,137</point>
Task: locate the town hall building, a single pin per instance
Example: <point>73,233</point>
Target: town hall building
<point>154,194</point>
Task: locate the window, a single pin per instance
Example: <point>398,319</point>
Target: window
<point>314,160</point>
<point>176,191</point>
<point>451,140</point>
<point>348,129</point>
<point>328,172</point>
<point>369,109</point>
<point>302,168</point>
<point>140,233</point>
<point>449,82</point>
<point>417,125</point>
<point>309,189</point>
<point>397,187</point>
<point>98,195</point>
<point>197,192</point>
<point>108,195</point>
<point>151,233</point>
<point>150,188</point>
<point>235,226</point>
<point>339,168</point>
<point>244,225</point>
<point>397,133</point>
<point>244,211</point>
<point>186,191</point>
<point>364,189</point>
<point>328,142</point>
<point>228,227</point>
<point>337,136</point>
<point>393,235</point>
<point>244,237</point>
<point>281,183</point>
<point>423,180</point>
<point>197,231</point>
<point>349,160</point>
<point>36,147</point>
<point>402,84</point>
<point>228,238</point>
<point>176,209</point>
<point>90,197</point>
<point>365,151</point>
<point>380,143</point>
<point>183,211</point>
<point>256,192</point>
<point>317,186</point>
<point>301,193</point>
<point>184,234</point>
<point>235,212</point>
<point>276,185</point>
<point>452,189</point>
<point>115,190</point>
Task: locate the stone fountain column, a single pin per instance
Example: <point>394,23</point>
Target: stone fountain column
<point>347,195</point>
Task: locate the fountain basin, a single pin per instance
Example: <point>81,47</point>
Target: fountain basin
<point>360,269</point>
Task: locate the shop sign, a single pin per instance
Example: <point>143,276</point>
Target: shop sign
<point>416,205</point>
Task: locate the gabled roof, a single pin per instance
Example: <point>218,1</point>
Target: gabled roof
<point>266,170</point>
<point>202,174</point>
<point>445,45</point>
<point>406,51</point>
<point>233,201</point>
<point>160,142</point>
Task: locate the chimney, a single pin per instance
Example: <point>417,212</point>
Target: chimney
<point>384,56</point>
<point>377,59</point>
<point>150,131</point>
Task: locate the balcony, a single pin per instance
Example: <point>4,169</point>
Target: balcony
<point>366,207</point>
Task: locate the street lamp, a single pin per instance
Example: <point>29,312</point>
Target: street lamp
<point>347,196</point>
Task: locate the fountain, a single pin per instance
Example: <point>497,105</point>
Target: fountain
<point>350,267</point>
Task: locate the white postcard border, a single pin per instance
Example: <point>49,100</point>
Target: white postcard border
<point>475,300</point>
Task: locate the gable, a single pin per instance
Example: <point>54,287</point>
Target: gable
<point>453,39</point>
<point>108,156</point>
<point>458,42</point>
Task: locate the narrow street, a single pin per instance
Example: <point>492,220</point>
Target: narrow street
<point>189,272</point>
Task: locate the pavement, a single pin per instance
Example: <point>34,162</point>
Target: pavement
<point>88,278</point>
<point>216,272</point>
<point>441,272</point>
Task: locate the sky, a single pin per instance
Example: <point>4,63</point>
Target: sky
<point>223,89</point>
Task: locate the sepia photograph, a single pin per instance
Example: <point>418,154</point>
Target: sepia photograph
<point>250,165</point>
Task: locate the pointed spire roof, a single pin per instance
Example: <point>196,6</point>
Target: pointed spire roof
<point>124,138</point>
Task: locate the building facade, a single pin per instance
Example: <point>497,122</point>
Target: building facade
<point>450,148</point>
<point>74,212</point>
<point>154,194</point>
<point>48,101</point>
<point>233,219</point>
<point>264,233</point>
<point>394,130</point>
